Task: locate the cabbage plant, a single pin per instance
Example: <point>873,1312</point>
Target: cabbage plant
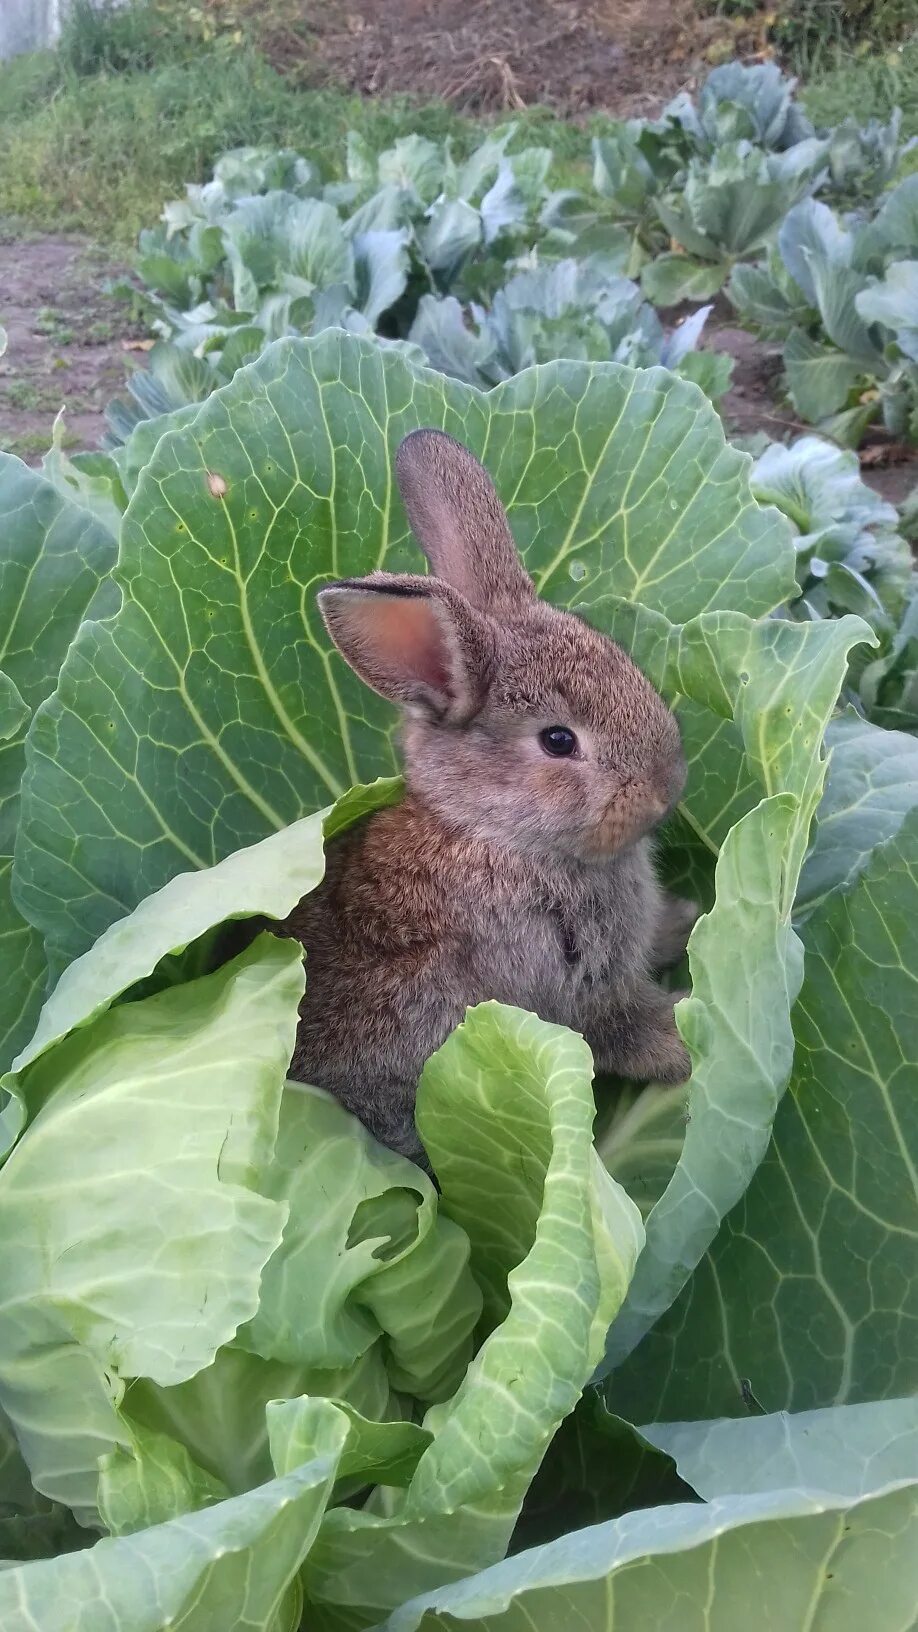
<point>267,230</point>
<point>863,159</point>
<point>724,210</point>
<point>704,188</point>
<point>850,554</point>
<point>851,557</point>
<point>256,1370</point>
<point>567,308</point>
<point>716,177</point>
<point>546,309</point>
<point>751,102</point>
<point>844,297</point>
<point>268,248</point>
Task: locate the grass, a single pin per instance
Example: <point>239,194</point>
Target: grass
<point>101,153</point>
<point>95,138</point>
<point>54,325</point>
<point>142,99</point>
<point>870,87</point>
<point>31,398</point>
<point>136,103</point>
<point>29,444</point>
<point>813,34</point>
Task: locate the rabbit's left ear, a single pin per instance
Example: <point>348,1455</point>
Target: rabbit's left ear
<point>459,521</point>
<point>414,640</point>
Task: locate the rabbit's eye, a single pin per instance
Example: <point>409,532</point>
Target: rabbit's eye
<point>558,741</point>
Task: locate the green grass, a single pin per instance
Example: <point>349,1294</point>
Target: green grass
<point>96,137</point>
<point>101,153</point>
<point>813,34</point>
<point>26,444</point>
<point>98,150</point>
<point>138,102</point>
<point>102,36</point>
<point>870,87</point>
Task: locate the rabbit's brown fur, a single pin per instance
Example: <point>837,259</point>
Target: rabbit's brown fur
<point>505,873</point>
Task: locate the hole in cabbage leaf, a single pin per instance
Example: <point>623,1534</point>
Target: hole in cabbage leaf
<point>390,1219</point>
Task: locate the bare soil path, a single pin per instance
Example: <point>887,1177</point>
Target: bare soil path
<point>72,345</point>
<point>66,342</point>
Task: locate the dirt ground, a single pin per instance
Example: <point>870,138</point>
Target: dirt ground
<point>66,342</point>
<point>487,56</point>
<point>72,345</point>
<point>754,403</point>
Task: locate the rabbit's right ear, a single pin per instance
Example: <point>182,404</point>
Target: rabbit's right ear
<point>459,521</point>
<point>414,640</point>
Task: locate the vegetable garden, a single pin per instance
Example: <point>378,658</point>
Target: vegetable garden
<point>642,1356</point>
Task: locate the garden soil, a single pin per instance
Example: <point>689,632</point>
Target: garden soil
<point>492,56</point>
<point>70,344</point>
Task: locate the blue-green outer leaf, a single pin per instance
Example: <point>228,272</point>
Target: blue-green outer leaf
<point>800,1558</point>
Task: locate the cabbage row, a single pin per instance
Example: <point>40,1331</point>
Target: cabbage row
<point>480,268</point>
<point>643,1356</point>
<point>484,268</point>
<point>475,267</point>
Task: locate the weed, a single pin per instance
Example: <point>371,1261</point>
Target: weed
<point>143,98</point>
<point>816,34</point>
<point>871,85</point>
<point>53,324</point>
<point>102,36</point>
<point>47,319</point>
<point>22,394</point>
<point>25,444</point>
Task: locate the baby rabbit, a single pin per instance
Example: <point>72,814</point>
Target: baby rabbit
<point>538,758</point>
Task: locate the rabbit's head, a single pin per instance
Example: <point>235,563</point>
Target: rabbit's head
<point>523,726</point>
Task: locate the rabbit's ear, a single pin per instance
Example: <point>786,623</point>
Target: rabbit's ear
<point>459,521</point>
<point>414,640</point>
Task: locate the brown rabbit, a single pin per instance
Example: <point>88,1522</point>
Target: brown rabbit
<point>537,759</point>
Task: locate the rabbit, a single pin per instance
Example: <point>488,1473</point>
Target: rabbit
<point>538,759</point>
